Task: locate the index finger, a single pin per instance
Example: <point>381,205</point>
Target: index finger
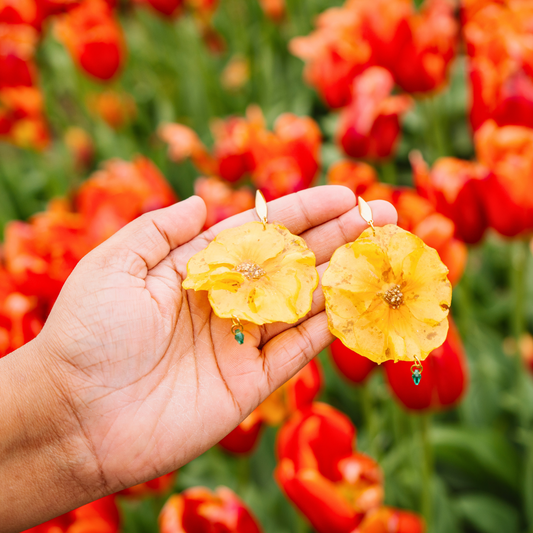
<point>298,212</point>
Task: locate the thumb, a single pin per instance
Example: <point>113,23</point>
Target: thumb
<point>154,235</point>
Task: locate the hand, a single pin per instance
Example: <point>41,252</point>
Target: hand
<point>147,375</point>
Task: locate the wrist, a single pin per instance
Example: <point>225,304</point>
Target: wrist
<point>45,464</point>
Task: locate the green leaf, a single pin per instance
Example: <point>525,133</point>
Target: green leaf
<point>488,514</point>
<point>483,455</point>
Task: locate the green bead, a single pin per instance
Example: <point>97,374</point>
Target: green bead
<point>417,376</point>
<point>239,336</point>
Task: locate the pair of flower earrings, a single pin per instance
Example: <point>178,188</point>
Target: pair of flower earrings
<point>387,294</point>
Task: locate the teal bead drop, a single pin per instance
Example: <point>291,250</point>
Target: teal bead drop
<point>239,336</point>
<point>417,376</point>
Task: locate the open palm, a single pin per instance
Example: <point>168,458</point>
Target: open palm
<point>150,375</point>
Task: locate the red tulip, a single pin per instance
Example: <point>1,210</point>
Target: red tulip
<point>154,487</point>
<point>100,516</point>
<point>370,127</point>
<point>500,62</point>
<point>244,438</point>
<point>335,53</point>
<point>80,145</point>
<point>22,12</point>
<point>454,187</point>
<point>198,510</point>
<point>41,254</point>
<point>17,48</point>
<point>118,194</point>
<point>94,38</point>
<point>353,366</point>
<point>508,153</point>
<point>332,485</point>
<point>355,175</point>
<point>221,200</point>
<point>390,520</point>
<point>444,377</point>
<point>420,57</point>
<point>300,391</point>
<point>115,108</point>
<point>273,9</point>
<point>21,118</point>
<point>20,320</point>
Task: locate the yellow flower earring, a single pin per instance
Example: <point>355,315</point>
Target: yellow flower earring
<point>258,272</point>
<point>388,295</point>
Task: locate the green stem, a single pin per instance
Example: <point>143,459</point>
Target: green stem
<point>388,172</point>
<point>368,418</point>
<point>520,257</point>
<point>427,471</point>
<point>12,198</point>
<point>243,473</point>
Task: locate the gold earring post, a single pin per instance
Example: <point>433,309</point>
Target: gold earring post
<point>261,207</point>
<point>366,213</point>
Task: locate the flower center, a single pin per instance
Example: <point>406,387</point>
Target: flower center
<point>250,270</point>
<point>394,297</point>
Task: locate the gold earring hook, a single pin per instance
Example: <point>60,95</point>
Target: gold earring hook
<point>366,213</point>
<point>261,207</point>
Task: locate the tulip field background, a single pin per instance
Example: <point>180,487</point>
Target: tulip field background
<point>464,464</point>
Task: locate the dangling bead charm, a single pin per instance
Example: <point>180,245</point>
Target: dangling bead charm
<point>416,372</point>
<point>239,336</point>
<point>238,330</point>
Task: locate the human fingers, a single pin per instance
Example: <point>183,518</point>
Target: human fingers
<point>287,353</point>
<point>298,212</point>
<point>145,242</point>
<point>323,240</point>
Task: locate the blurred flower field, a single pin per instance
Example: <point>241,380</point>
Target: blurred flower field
<point>112,108</point>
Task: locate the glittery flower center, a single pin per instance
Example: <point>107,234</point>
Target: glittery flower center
<point>394,297</point>
<point>250,270</point>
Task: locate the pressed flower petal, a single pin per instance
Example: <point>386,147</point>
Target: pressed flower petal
<point>257,273</point>
<point>251,242</point>
<point>260,302</point>
<point>387,296</point>
<point>427,297</point>
<point>357,269</point>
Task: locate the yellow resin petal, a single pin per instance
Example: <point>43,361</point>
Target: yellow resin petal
<point>260,302</point>
<point>427,291</point>
<point>256,273</point>
<point>387,296</point>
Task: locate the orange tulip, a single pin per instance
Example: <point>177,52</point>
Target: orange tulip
<point>273,9</point>
<point>21,117</point>
<point>115,108</point>
<point>80,145</point>
<point>390,520</point>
